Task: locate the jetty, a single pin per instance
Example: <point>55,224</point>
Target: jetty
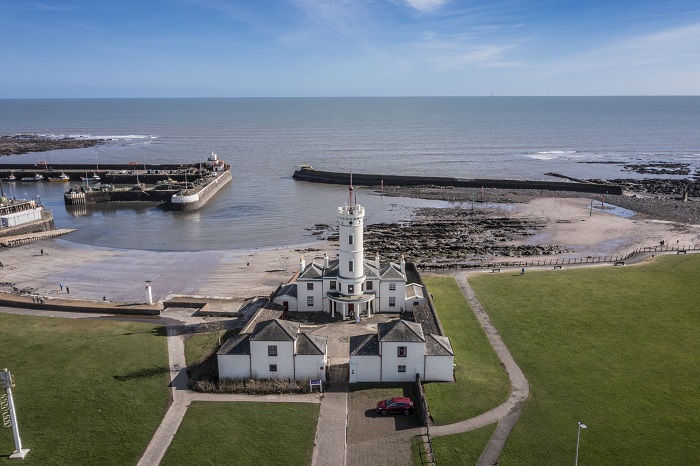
<point>308,173</point>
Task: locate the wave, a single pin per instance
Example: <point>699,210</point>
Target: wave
<point>555,152</point>
<point>120,137</point>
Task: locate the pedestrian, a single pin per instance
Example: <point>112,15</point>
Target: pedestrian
<point>523,271</point>
<point>41,300</point>
<point>61,285</point>
<point>34,299</point>
<point>42,252</point>
<point>104,298</point>
<point>67,290</point>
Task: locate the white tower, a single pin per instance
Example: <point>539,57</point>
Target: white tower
<point>351,256</point>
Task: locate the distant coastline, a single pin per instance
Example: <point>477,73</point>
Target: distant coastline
<point>26,143</point>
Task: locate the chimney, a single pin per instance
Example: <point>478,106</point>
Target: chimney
<point>376,260</point>
<point>302,265</point>
<point>403,264</point>
<point>325,260</point>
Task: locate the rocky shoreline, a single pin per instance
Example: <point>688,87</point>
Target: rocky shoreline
<point>25,143</point>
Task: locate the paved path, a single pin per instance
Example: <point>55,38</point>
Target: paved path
<point>507,413</point>
<point>330,445</point>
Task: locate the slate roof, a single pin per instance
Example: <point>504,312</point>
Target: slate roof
<point>436,345</point>
<point>311,344</point>
<point>364,345</point>
<point>371,272</point>
<point>240,344</point>
<point>269,312</point>
<point>312,271</point>
<point>290,289</point>
<point>275,330</point>
<point>414,290</point>
<point>391,271</point>
<point>400,330</point>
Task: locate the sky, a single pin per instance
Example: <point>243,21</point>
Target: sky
<point>300,48</point>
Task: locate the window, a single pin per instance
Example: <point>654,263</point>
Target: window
<point>392,301</point>
<point>272,350</point>
<point>368,286</point>
<point>351,266</point>
<point>392,286</point>
<point>332,284</point>
<point>273,368</point>
<point>402,351</point>
<point>351,289</point>
<point>402,368</point>
<point>310,286</point>
<point>309,300</point>
<point>350,239</point>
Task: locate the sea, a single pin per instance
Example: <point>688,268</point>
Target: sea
<point>266,139</point>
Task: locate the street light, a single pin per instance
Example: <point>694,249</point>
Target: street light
<point>578,437</point>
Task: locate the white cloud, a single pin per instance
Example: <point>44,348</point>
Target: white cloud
<point>425,5</point>
<point>458,52</point>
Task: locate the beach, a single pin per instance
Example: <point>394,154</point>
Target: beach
<point>119,275</point>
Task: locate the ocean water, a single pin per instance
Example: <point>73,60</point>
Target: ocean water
<point>265,139</point>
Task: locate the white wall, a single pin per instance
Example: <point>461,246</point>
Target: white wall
<point>307,366</point>
<point>291,302</point>
<point>438,368</point>
<point>303,293</point>
<point>399,293</point>
<point>18,218</point>
<point>234,366</point>
<point>413,361</point>
<point>368,368</point>
<point>261,361</point>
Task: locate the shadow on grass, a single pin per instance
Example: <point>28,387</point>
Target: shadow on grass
<point>143,373</point>
<point>159,331</point>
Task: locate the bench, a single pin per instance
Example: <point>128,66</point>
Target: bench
<point>557,267</point>
<point>620,263</point>
<point>682,252</point>
<point>495,270</point>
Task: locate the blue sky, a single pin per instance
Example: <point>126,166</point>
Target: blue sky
<point>226,48</point>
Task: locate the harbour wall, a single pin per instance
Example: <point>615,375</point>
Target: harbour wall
<point>205,193</point>
<point>316,176</point>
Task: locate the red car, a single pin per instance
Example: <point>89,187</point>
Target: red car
<point>398,404</point>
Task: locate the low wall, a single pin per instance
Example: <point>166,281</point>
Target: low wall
<point>23,302</point>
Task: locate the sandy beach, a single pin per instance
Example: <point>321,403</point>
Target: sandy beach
<point>119,275</point>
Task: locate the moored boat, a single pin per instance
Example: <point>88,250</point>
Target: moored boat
<point>60,178</point>
<point>12,177</point>
<point>36,177</point>
<point>93,178</point>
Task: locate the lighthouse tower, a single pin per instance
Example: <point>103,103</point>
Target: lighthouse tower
<point>351,257</point>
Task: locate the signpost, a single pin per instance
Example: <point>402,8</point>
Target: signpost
<point>7,406</point>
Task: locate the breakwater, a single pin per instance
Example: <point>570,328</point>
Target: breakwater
<point>308,173</point>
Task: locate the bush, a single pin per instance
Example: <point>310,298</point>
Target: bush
<point>252,386</point>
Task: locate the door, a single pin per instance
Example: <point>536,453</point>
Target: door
<point>353,373</point>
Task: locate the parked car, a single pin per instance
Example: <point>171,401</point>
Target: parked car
<point>398,404</point>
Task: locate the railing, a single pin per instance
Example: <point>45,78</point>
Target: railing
<point>557,261</point>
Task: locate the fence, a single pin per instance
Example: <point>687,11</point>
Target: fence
<point>557,261</point>
<point>426,446</point>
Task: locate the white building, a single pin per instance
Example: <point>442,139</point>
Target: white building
<point>397,352</point>
<point>15,213</point>
<point>270,348</point>
<point>350,284</point>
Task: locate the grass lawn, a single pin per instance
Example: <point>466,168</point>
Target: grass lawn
<point>481,382</point>
<point>462,449</point>
<point>215,433</point>
<point>87,391</point>
<point>616,348</point>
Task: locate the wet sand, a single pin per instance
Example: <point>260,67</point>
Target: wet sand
<point>119,275</point>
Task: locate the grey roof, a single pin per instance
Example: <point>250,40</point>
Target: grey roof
<point>275,330</point>
<point>436,345</point>
<point>391,271</point>
<point>269,312</point>
<point>290,289</point>
<point>371,272</point>
<point>312,271</point>
<point>427,318</point>
<point>311,344</point>
<point>364,345</point>
<point>400,330</point>
<point>240,344</point>
<point>414,290</point>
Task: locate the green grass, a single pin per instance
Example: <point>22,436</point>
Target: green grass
<point>615,348</point>
<point>214,433</point>
<point>87,391</point>
<point>462,449</point>
<point>199,346</point>
<point>481,382</point>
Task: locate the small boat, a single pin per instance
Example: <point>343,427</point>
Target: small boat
<point>37,177</point>
<point>60,178</point>
<point>94,177</point>
<point>12,177</point>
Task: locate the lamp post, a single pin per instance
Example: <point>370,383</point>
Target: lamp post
<point>149,296</point>
<point>578,438</point>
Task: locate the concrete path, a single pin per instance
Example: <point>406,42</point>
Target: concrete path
<point>507,413</point>
<point>330,445</point>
